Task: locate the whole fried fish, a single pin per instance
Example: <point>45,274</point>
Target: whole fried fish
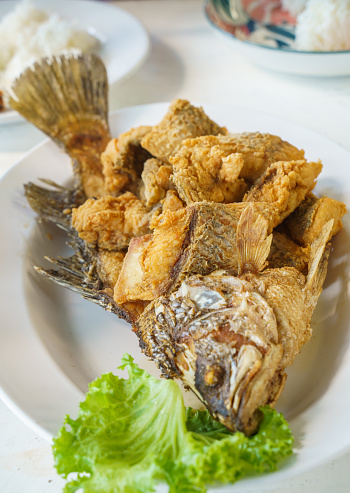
<point>216,295</point>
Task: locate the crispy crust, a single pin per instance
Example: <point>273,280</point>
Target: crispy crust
<point>182,121</point>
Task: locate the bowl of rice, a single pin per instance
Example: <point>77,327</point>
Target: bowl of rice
<point>301,37</point>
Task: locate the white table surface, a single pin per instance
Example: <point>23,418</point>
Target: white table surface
<point>187,60</point>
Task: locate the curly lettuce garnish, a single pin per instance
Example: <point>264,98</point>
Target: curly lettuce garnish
<point>131,434</point>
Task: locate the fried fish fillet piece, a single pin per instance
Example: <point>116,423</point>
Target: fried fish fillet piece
<point>193,240</point>
<point>111,222</point>
<point>291,242</point>
<point>156,181</point>
<point>182,121</point>
<point>123,161</point>
<point>216,168</point>
<point>171,202</point>
<point>307,221</point>
<point>230,338</point>
<point>150,264</point>
<point>260,150</point>
<point>204,170</point>
<point>284,186</point>
<point>109,264</point>
<point>285,252</point>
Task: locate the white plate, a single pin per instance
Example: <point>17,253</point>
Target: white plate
<point>125,42</point>
<point>271,45</point>
<point>53,343</point>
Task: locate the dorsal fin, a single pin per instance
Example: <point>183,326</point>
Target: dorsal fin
<point>253,243</point>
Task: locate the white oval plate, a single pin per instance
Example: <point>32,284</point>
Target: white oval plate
<point>53,343</point>
<point>125,42</point>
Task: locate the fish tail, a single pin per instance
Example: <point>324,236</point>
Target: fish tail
<point>319,254</point>
<point>253,241</point>
<point>66,97</point>
<point>61,90</point>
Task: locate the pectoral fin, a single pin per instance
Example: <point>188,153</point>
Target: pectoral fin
<point>253,243</point>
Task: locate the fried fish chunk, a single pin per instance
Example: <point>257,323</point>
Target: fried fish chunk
<point>150,264</point>
<point>123,160</point>
<point>109,265</point>
<point>156,181</point>
<point>307,221</point>
<point>284,186</point>
<point>217,168</point>
<point>182,121</point>
<point>171,202</point>
<point>111,222</point>
<point>193,240</point>
<point>206,171</point>
<point>285,252</point>
<point>260,150</point>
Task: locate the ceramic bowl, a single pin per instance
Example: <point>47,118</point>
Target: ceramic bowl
<point>267,39</point>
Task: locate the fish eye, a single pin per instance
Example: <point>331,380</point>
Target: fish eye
<point>213,375</point>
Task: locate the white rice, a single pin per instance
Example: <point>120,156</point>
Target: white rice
<point>324,25</point>
<point>27,33</point>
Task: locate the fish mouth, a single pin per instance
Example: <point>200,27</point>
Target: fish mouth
<point>234,386</point>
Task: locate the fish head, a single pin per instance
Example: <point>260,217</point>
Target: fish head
<point>223,341</point>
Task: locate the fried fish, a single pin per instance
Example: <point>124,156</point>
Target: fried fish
<point>123,162</point>
<point>210,244</point>
<point>182,121</point>
<point>221,168</point>
<point>307,221</point>
<point>193,240</point>
<point>284,186</point>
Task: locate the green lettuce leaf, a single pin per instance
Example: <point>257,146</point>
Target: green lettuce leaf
<point>131,434</point>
